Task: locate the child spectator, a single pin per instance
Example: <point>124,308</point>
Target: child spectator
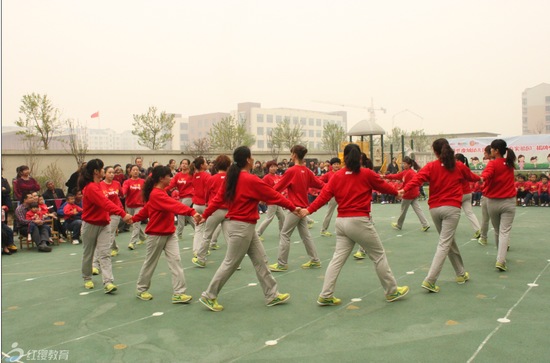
<point>543,191</point>
<point>34,215</point>
<point>73,218</point>
<point>521,192</point>
<point>532,189</point>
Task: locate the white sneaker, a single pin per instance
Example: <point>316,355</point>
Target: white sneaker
<point>75,241</point>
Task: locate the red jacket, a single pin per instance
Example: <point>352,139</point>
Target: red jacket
<point>160,209</point>
<point>499,180</point>
<point>445,184</point>
<point>352,191</point>
<point>132,189</point>
<point>199,183</point>
<point>543,188</point>
<point>96,208</point>
<point>406,176</point>
<point>69,211</point>
<point>249,192</point>
<point>532,187</point>
<point>213,185</point>
<point>297,180</point>
<point>184,183</point>
<point>112,191</point>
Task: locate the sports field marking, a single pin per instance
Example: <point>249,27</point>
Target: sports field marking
<point>506,319</point>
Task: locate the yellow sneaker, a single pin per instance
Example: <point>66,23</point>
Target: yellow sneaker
<point>110,287</point>
<point>312,264</point>
<point>144,295</point>
<point>89,284</point>
<point>181,299</point>
<point>401,291</point>
<point>211,304</point>
<point>278,268</point>
<point>95,271</point>
<point>328,301</point>
<point>359,255</point>
<point>281,298</point>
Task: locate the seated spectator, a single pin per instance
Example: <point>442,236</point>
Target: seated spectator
<point>35,214</point>
<point>6,192</point>
<point>39,235</point>
<point>51,194</point>
<point>73,218</point>
<point>543,191</point>
<point>24,183</point>
<point>8,247</point>
<point>73,179</point>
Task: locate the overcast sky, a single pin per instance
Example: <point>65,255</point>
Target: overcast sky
<point>454,66</point>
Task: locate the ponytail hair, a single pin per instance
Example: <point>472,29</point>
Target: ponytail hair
<point>87,173</point>
<point>503,149</point>
<point>352,157</point>
<point>444,152</point>
<point>411,162</point>
<point>195,166</point>
<point>240,157</point>
<point>157,173</point>
<point>462,159</point>
<point>300,151</point>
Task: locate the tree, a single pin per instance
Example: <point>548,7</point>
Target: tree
<point>333,135</point>
<point>77,143</point>
<point>421,142</point>
<point>40,119</point>
<point>199,147</point>
<point>153,131</point>
<point>274,146</point>
<point>285,135</point>
<point>228,134</point>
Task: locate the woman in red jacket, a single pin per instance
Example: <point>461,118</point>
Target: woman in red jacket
<point>132,190</point>
<point>271,178</point>
<point>183,181</point>
<point>352,188</point>
<point>160,208</point>
<point>445,176</point>
<point>242,192</point>
<point>411,198</point>
<point>95,224</point>
<point>297,180</point>
<point>200,180</point>
<point>221,164</point>
<point>501,196</point>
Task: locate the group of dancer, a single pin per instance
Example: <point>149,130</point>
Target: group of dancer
<point>231,197</point>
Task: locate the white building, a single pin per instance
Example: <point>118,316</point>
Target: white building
<point>536,110</point>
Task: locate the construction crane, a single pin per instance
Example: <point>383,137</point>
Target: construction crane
<point>371,109</point>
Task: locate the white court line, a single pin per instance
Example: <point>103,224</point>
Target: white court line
<point>486,340</point>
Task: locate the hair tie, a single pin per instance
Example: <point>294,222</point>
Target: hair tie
<point>234,163</point>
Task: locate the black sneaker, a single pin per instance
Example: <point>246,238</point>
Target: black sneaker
<point>43,247</point>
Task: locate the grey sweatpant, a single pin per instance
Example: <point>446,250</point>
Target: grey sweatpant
<point>199,229</point>
<point>405,203</point>
<point>210,226</point>
<point>242,239</point>
<point>484,218</point>
<point>113,225</point>
<point>331,207</point>
<point>502,213</point>
<point>154,247</point>
<point>137,231</point>
<point>93,237</point>
<point>292,221</point>
<point>360,230</point>
<point>272,211</point>
<point>468,210</point>
<point>446,220</point>
<point>184,220</point>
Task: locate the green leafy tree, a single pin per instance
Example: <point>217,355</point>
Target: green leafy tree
<point>286,135</point>
<point>228,134</point>
<point>333,135</point>
<point>40,119</point>
<point>199,147</point>
<point>421,142</point>
<point>153,130</point>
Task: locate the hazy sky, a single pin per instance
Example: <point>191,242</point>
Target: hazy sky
<point>457,66</point>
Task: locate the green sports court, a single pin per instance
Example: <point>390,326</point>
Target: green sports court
<point>495,317</point>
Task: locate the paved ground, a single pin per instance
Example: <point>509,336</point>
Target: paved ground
<point>47,312</point>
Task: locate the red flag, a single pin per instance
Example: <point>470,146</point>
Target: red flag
<point>95,114</point>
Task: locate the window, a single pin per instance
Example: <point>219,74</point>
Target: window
<point>260,144</point>
<point>310,133</point>
<point>318,122</point>
<point>260,131</point>
<point>184,126</point>
<point>260,118</point>
<point>279,118</point>
<point>270,119</point>
<point>547,108</point>
<point>325,122</point>
<point>311,122</point>
<point>318,133</point>
<point>268,130</point>
<point>548,128</point>
<point>184,137</point>
<point>547,98</point>
<point>303,121</point>
<point>295,120</point>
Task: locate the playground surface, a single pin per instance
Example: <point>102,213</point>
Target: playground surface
<point>47,315</point>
